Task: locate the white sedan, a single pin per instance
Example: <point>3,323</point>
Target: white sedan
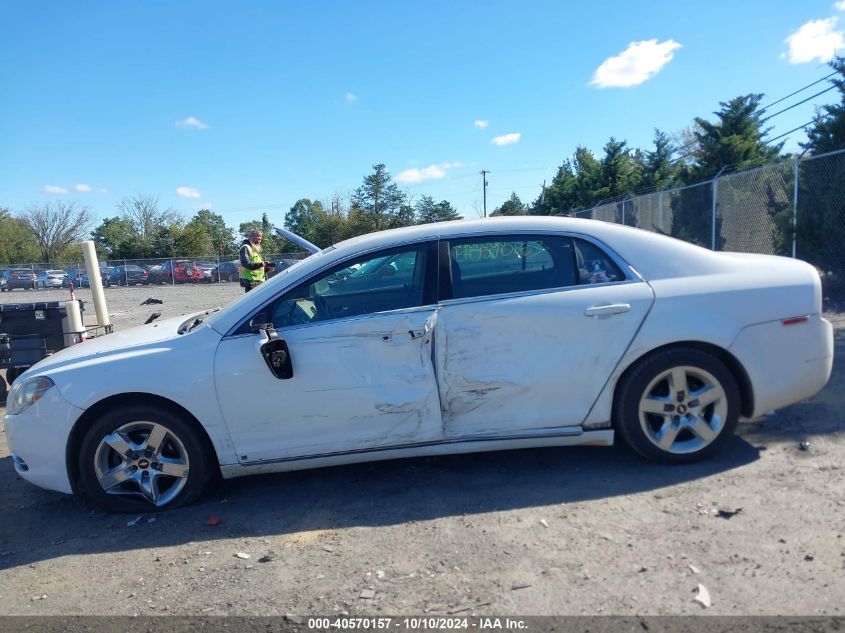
<point>455,337</point>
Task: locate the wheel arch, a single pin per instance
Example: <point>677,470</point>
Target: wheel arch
<point>128,399</point>
<point>746,390</point>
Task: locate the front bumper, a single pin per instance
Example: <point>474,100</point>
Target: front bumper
<point>37,439</point>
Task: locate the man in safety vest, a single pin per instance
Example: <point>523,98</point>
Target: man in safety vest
<point>253,266</point>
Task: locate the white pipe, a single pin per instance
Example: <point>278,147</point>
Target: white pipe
<point>96,283</point>
<point>72,325</point>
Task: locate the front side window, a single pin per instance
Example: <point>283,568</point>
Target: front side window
<point>483,266</point>
<point>388,280</point>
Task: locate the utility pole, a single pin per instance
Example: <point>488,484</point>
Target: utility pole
<point>543,195</point>
<point>484,173</point>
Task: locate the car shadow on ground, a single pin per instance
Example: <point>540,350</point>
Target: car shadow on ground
<point>375,494</point>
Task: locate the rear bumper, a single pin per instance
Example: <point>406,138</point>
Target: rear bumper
<point>785,363</point>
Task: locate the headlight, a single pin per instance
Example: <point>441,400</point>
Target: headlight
<point>28,392</point>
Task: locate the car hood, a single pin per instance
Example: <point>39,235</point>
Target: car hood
<point>136,340</point>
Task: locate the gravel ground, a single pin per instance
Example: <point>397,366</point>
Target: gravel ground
<point>551,531</point>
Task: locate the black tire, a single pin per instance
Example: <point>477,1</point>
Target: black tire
<point>632,391</point>
<point>12,374</point>
<point>198,449</point>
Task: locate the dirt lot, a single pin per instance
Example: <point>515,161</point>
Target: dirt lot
<point>553,531</point>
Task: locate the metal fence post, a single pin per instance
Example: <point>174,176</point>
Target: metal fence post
<point>715,202</point>
<point>623,211</point>
<point>795,210</point>
<point>172,274</point>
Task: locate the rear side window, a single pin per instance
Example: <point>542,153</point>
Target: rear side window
<point>505,264</point>
<point>594,265</point>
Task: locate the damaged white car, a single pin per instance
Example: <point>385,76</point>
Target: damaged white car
<point>444,338</point>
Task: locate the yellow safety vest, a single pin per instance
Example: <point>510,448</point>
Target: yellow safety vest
<point>254,257</point>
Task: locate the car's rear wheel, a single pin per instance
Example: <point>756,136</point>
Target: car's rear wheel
<point>143,459</point>
<point>678,405</point>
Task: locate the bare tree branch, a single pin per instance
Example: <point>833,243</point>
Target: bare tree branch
<point>56,225</point>
<point>143,212</point>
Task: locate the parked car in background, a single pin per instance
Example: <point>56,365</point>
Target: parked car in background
<point>72,276</point>
<point>50,278</point>
<point>209,271</point>
<point>280,264</point>
<point>20,278</point>
<point>426,340</point>
<point>128,275</point>
<point>229,271</point>
<point>3,280</point>
<point>178,271</point>
<point>84,282</point>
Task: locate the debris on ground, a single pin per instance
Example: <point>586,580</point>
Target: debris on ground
<point>269,557</point>
<point>380,574</point>
<point>151,301</point>
<point>367,594</point>
<point>135,521</point>
<point>520,585</point>
<point>694,569</point>
<point>809,557</point>
<point>43,596</point>
<point>703,596</point>
<point>328,548</point>
<point>544,523</point>
<point>243,555</point>
<point>152,318</point>
<point>727,514</point>
<point>212,521</point>
<point>804,446</point>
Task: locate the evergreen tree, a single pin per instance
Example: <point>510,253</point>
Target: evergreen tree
<point>381,202</point>
<point>427,210</point>
<point>512,206</point>
<point>828,130</point>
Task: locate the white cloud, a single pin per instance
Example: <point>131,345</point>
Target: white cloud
<point>481,123</point>
<point>840,6</point>
<point>432,172</point>
<point>54,189</point>
<point>817,40</point>
<point>192,122</point>
<point>188,192</point>
<point>507,139</point>
<point>83,188</point>
<point>350,98</point>
<point>636,64</point>
<point>103,190</point>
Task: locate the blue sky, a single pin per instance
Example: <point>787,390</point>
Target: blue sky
<point>248,106</point>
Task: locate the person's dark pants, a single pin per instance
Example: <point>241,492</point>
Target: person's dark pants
<point>248,284</point>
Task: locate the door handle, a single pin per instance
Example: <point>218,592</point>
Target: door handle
<point>417,333</point>
<point>607,310</point>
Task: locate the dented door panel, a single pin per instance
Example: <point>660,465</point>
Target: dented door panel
<point>531,361</point>
<point>357,383</point>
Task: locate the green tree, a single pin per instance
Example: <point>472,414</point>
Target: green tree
<point>115,238</point>
<point>222,237</point>
<point>427,210</point>
<point>17,244</point>
<point>381,202</point>
<point>193,240</point>
<point>735,140</point>
<point>512,206</point>
<point>821,197</point>
<point>659,169</point>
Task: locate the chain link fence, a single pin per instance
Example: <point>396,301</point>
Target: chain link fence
<point>795,208</point>
<point>136,272</point>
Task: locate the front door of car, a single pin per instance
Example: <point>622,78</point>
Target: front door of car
<point>359,339</point>
<point>536,326</point>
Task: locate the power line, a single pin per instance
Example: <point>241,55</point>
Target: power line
<point>792,94</point>
<point>794,105</point>
<point>800,127</point>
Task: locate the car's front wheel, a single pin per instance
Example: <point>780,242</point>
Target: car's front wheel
<point>678,405</point>
<point>143,459</point>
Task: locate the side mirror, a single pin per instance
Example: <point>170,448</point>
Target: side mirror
<point>275,351</point>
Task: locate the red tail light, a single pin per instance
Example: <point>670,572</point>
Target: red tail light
<point>796,320</point>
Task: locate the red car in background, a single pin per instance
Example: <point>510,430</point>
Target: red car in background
<point>180,271</point>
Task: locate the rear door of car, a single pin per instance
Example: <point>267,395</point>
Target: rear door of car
<point>363,375</point>
<point>530,328</point>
